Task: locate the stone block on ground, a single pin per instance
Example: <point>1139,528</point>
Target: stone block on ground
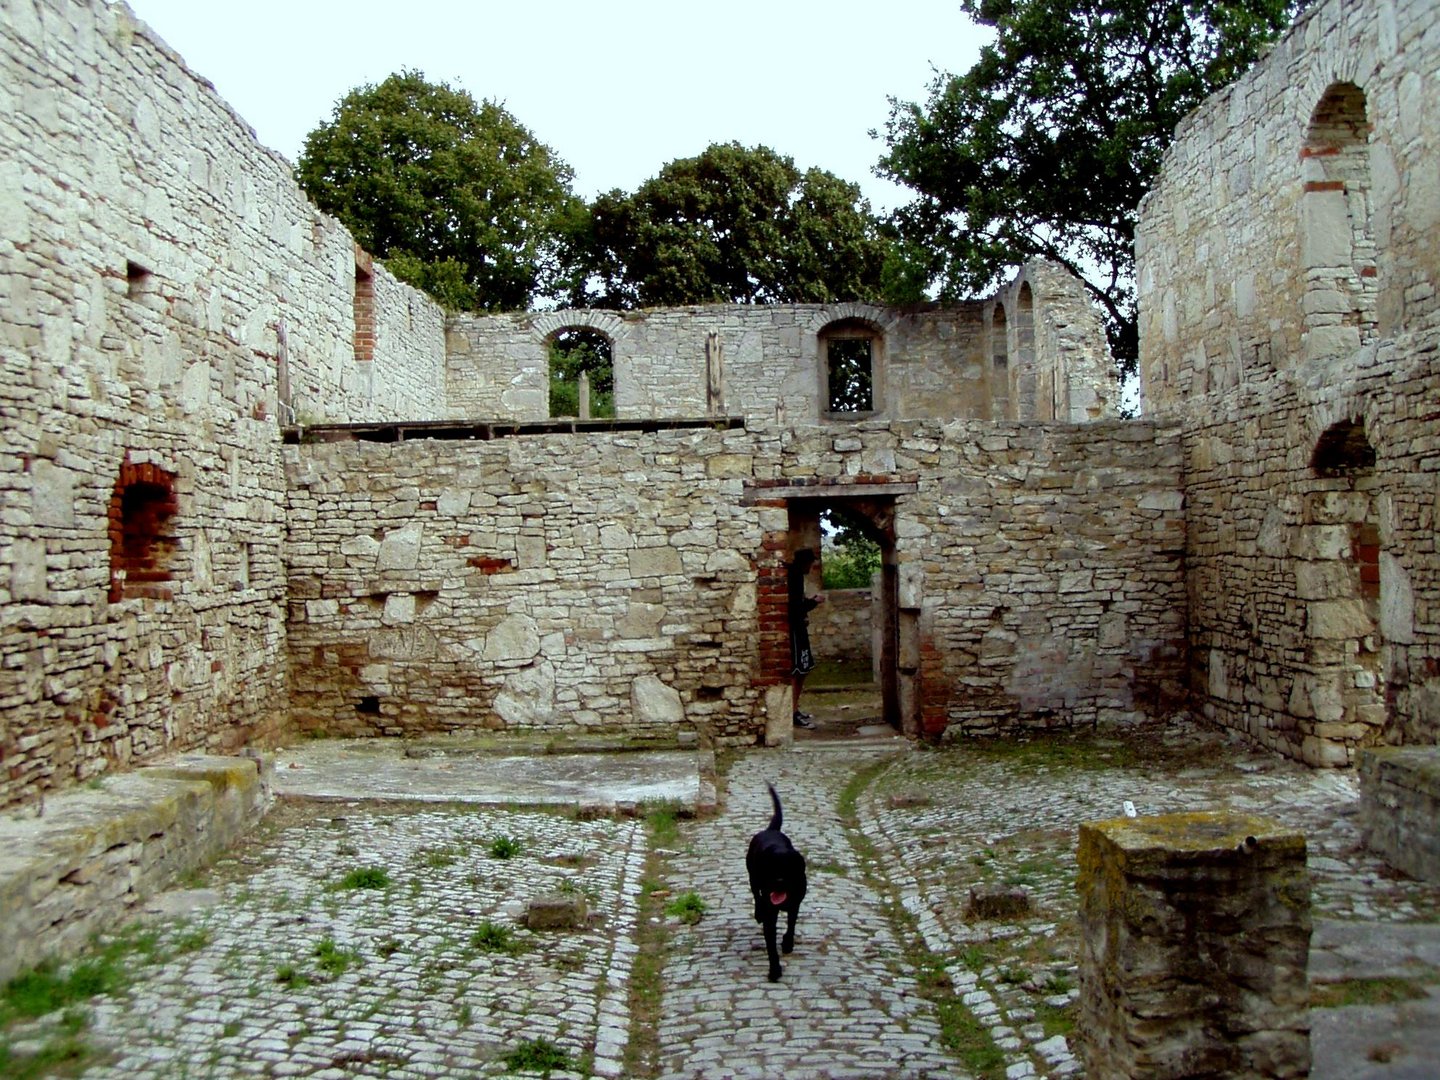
<point>1194,940</point>
<point>568,912</point>
<point>1400,807</point>
<point>997,902</point>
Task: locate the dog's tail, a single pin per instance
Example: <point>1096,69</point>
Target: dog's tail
<point>775,820</point>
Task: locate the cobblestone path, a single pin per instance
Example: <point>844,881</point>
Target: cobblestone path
<point>846,1006</point>
<point>281,969</point>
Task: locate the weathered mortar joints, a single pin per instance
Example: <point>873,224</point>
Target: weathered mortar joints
<point>1194,940</point>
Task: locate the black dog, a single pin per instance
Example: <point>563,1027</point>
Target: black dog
<point>777,880</point>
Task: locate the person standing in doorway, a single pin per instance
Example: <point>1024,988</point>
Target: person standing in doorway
<point>800,607</point>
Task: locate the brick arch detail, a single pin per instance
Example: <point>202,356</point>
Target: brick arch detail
<point>1346,407</point>
<point>137,568</point>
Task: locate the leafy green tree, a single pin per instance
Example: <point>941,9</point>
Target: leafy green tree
<point>574,351</point>
<point>734,225</point>
<point>457,197</point>
<point>850,556</point>
<point>1047,144</point>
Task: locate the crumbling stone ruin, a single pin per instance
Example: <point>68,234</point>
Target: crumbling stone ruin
<point>256,486</point>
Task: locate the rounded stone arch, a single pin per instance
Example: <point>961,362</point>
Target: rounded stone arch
<point>880,320</point>
<point>1326,424</point>
<point>547,324</point>
<point>998,370</point>
<point>1337,250</point>
<point>579,352</point>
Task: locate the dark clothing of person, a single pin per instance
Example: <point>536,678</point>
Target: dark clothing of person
<point>800,608</point>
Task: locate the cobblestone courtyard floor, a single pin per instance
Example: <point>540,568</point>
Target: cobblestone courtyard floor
<point>364,938</point>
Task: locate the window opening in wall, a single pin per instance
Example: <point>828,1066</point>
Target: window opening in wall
<point>1000,364</point>
<point>851,357</point>
<point>582,374</point>
<point>141,542</point>
<point>1345,645</point>
<point>1022,372</point>
<point>137,280</point>
<point>1337,246</point>
<point>364,308</point>
<point>1343,450</point>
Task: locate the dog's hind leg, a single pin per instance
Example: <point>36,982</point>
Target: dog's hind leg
<point>787,943</point>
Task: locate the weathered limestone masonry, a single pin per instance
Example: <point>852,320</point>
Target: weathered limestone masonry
<point>1287,281</point>
<point>1043,334</point>
<point>1194,939</point>
<point>928,362</point>
<point>618,581</point>
<point>168,297</point>
<point>1399,806</point>
<point>97,854</point>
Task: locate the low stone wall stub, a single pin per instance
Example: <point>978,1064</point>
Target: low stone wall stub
<point>1194,940</point>
<point>97,852</point>
<point>1400,807</point>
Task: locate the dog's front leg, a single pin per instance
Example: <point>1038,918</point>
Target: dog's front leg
<point>770,950</point>
<point>787,943</point>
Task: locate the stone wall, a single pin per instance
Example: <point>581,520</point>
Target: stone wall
<point>1046,363</point>
<point>1272,237</point>
<point>1400,805</point>
<point>624,581</point>
<point>1286,277</point>
<point>1315,593</point>
<point>164,287</point>
<point>842,627</point>
<point>99,852</point>
<point>929,362</point>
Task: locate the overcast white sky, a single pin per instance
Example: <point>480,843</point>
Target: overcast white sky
<point>617,89</point>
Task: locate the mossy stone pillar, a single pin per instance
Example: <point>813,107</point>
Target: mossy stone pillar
<point>1194,939</point>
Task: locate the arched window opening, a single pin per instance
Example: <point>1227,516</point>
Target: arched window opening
<point>1341,578</point>
<point>1337,246</point>
<point>582,374</point>
<point>851,351</point>
<point>1022,372</point>
<point>999,364</point>
<point>141,543</point>
<point>1343,450</point>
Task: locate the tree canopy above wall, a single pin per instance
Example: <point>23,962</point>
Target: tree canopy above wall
<point>1048,143</point>
<point>456,196</point>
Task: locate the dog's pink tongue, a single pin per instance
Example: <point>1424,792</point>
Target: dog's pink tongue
<point>777,898</point>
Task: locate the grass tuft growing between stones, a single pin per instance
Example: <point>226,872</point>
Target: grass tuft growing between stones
<point>494,938</point>
<point>332,959</point>
<point>1348,992</point>
<point>652,939</point>
<point>366,877</point>
<point>48,987</point>
<point>662,820</point>
<point>687,907</point>
<point>960,1031</point>
<point>505,847</point>
<point>64,1053</point>
<point>539,1056</point>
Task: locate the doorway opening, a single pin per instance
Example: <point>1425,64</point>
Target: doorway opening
<point>854,631</point>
